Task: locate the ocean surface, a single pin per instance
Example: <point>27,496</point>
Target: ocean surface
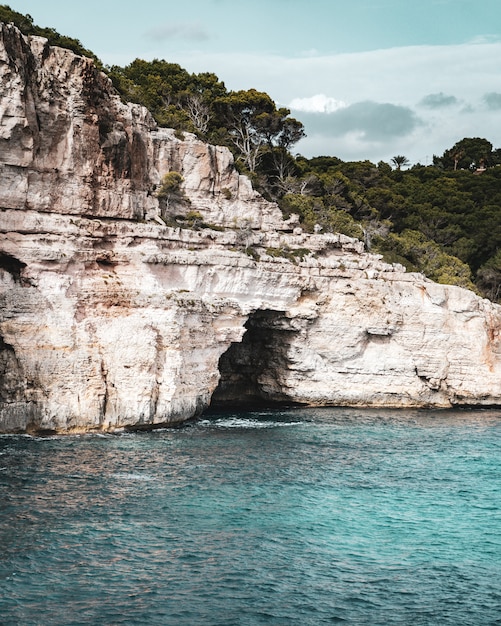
<point>289,517</point>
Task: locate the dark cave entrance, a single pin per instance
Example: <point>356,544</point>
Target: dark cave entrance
<point>252,370</point>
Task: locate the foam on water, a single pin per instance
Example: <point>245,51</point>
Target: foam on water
<point>132,476</point>
<point>245,422</point>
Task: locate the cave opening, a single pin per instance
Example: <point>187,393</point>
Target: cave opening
<point>12,265</point>
<point>253,371</point>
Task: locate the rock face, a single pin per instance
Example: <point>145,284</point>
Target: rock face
<point>110,317</point>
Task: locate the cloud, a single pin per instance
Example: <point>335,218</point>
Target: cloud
<point>317,104</point>
<point>484,39</point>
<point>370,121</point>
<point>438,100</point>
<point>493,100</point>
<point>178,30</point>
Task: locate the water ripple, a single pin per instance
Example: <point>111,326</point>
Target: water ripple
<point>298,517</point>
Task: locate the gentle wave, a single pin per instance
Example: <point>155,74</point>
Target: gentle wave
<point>244,422</point>
<point>132,476</point>
<point>300,517</point>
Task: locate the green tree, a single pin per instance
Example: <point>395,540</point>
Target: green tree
<point>414,250</point>
<point>23,22</point>
<point>281,132</point>
<point>469,153</point>
<point>400,161</point>
<point>157,85</point>
<point>254,123</point>
<point>170,195</point>
<point>63,41</point>
<point>27,27</point>
<point>198,98</point>
<point>489,278</point>
<point>315,211</point>
<point>243,114</point>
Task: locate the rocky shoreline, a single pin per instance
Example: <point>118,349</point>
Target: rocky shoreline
<point>121,308</point>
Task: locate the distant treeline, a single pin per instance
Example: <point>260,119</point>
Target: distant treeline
<point>443,219</point>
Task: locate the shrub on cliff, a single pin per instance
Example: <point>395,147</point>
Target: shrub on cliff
<point>171,183</point>
<point>172,200</point>
<point>27,27</point>
<point>316,211</point>
<point>489,278</point>
<point>425,256</point>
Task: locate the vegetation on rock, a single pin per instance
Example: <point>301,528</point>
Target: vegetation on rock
<point>443,220</point>
<point>27,27</point>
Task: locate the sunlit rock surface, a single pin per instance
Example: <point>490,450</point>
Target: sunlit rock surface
<point>118,311</point>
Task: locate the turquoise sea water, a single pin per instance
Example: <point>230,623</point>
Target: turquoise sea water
<point>292,517</point>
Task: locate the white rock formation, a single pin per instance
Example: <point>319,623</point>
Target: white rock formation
<point>109,318</point>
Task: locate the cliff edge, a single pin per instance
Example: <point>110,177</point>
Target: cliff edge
<point>126,305</point>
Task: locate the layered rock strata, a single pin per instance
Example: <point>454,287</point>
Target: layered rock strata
<point>120,308</point>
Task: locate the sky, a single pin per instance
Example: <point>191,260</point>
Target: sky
<point>369,79</point>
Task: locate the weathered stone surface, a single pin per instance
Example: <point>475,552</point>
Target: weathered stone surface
<point>110,318</point>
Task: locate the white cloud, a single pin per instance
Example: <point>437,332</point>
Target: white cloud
<point>482,39</point>
<point>319,103</point>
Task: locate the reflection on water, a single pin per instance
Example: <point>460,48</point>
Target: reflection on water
<point>289,517</point>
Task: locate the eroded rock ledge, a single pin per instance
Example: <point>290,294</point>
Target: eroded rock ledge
<point>112,318</point>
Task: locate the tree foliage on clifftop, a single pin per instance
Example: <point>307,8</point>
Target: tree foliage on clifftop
<point>27,27</point>
<point>443,220</point>
<point>247,121</point>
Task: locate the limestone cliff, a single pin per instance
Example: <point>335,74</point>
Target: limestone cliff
<point>118,309</point>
